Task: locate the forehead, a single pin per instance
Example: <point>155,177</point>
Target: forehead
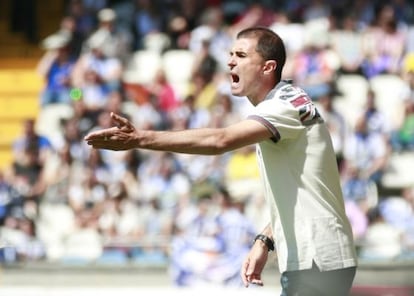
<point>247,45</point>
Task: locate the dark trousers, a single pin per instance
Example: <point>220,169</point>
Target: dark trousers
<point>312,282</point>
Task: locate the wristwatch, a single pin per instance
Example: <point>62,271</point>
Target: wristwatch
<point>266,240</point>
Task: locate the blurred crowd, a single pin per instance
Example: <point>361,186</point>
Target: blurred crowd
<point>62,201</point>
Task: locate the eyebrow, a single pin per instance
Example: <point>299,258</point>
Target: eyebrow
<point>238,52</point>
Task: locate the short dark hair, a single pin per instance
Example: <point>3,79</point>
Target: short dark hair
<point>269,45</point>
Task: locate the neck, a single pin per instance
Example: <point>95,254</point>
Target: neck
<point>262,92</point>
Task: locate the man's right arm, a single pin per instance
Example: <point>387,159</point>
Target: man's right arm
<point>204,141</point>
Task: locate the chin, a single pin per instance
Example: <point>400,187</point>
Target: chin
<point>237,92</point>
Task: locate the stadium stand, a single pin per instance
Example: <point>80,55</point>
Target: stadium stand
<point>129,206</point>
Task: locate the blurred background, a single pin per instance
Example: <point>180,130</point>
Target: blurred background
<point>76,220</point>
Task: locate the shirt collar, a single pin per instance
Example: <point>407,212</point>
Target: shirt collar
<point>278,86</point>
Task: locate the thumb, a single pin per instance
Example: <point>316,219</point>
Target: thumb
<point>119,120</point>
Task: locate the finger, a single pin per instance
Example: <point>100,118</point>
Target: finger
<point>252,276</point>
<point>243,273</point>
<point>119,120</point>
<point>100,145</point>
<point>256,281</point>
<point>101,135</point>
<point>250,270</point>
<point>95,135</point>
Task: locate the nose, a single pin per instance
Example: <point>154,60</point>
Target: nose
<point>231,62</point>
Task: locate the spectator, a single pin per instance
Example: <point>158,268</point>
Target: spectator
<point>147,114</point>
<point>366,151</point>
<point>236,232</point>
<point>293,33</point>
<point>192,115</point>
<point>31,138</point>
<point>377,121</point>
<point>108,70</point>
<point>127,225</point>
<point>397,210</point>
<point>84,118</point>
<point>95,92</point>
<point>402,133</point>
<point>242,173</point>
<point>199,168</point>
<point>364,12</point>
<point>85,19</point>
<point>117,43</point>
<point>383,44</point>
<point>195,246</point>
<point>162,178</point>
<point>10,237</point>
<point>346,41</point>
<point>26,177</point>
<point>336,123</point>
<point>402,138</point>
<point>190,10</point>
<point>255,14</point>
<point>84,244</point>
<point>163,92</point>
<point>56,67</point>
<point>358,219</point>
<point>204,89</point>
<point>93,6</point>
<point>91,187</point>
<point>316,9</point>
<point>5,196</point>
<point>358,188</point>
<point>68,27</point>
<point>59,173</point>
<point>382,240</point>
<point>30,150</point>
<point>157,230</point>
<point>211,38</point>
<point>71,140</point>
<point>30,248</point>
<point>312,68</point>
<point>223,111</point>
<point>148,18</point>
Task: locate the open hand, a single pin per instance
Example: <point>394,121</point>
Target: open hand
<point>122,136</point>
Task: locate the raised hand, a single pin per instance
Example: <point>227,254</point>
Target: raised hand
<point>122,136</point>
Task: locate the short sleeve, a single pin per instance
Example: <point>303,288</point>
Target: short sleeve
<point>286,113</point>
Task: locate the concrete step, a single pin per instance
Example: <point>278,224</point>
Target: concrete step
<point>6,158</point>
<point>20,81</point>
<point>21,51</point>
<point>19,107</point>
<point>9,131</point>
<point>16,63</point>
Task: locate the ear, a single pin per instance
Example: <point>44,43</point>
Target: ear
<point>269,67</point>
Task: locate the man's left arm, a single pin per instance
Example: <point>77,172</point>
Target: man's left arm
<point>253,265</point>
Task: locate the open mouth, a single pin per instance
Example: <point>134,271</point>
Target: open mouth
<point>235,78</point>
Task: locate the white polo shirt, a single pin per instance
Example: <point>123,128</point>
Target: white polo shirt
<point>302,185</point>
